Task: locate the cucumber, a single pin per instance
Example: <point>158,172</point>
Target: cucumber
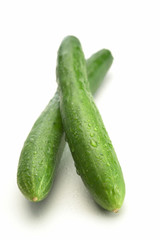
<point>44,145</point>
<point>92,150</point>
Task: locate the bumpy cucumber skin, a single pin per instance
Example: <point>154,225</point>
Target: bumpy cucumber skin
<point>40,156</point>
<point>91,147</point>
<point>42,150</point>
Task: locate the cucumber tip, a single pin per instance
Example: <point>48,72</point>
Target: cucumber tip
<point>116,210</point>
<point>34,199</point>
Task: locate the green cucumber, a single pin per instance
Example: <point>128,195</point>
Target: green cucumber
<point>91,148</point>
<point>44,145</point>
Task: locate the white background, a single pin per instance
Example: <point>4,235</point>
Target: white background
<point>128,100</point>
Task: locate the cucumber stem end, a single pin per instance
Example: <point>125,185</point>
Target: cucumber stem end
<point>34,199</point>
<point>116,210</point>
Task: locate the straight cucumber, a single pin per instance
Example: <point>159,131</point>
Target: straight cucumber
<point>44,145</point>
<point>91,147</point>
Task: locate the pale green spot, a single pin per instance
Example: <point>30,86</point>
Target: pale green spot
<point>93,143</point>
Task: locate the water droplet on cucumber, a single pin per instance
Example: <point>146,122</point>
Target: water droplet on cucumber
<point>93,143</point>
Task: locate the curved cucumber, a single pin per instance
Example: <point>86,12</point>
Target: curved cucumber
<point>44,145</point>
<point>91,147</point>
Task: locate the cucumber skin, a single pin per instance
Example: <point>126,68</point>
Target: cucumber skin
<point>41,153</point>
<point>43,147</point>
<point>91,148</point>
